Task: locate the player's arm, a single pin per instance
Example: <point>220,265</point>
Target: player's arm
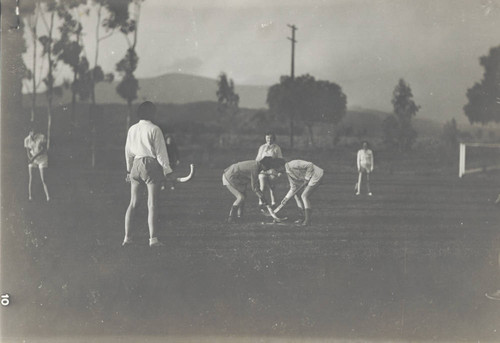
<point>28,152</point>
<point>358,160</point>
<point>278,152</point>
<point>371,161</point>
<point>255,186</point>
<point>28,149</point>
<point>309,171</point>
<point>259,153</point>
<point>291,191</point>
<point>161,151</point>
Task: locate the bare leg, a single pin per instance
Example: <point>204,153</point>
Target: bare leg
<point>262,184</point>
<point>129,215</point>
<point>271,193</point>
<point>360,177</point>
<point>368,183</point>
<point>299,202</point>
<point>238,203</point>
<point>153,199</point>
<point>45,188</point>
<point>30,180</point>
<point>306,194</point>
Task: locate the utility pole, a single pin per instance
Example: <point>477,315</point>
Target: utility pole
<point>294,28</point>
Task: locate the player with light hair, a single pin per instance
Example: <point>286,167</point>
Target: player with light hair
<point>364,162</point>
<point>303,176</point>
<point>147,164</point>
<point>35,145</point>
<point>267,177</point>
<point>237,177</point>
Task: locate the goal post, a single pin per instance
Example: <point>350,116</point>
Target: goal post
<point>478,157</point>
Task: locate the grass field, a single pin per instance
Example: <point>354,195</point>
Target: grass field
<point>411,263</point>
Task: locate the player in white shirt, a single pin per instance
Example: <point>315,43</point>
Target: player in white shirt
<point>147,164</point>
<point>267,177</point>
<point>301,174</point>
<point>365,167</point>
<point>35,145</point>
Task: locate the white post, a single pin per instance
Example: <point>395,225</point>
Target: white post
<point>461,166</point>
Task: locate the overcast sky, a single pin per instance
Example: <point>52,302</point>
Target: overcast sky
<point>363,45</point>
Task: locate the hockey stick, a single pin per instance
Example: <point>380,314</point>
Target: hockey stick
<point>182,179</point>
<point>187,177</point>
<point>275,217</point>
<point>294,193</point>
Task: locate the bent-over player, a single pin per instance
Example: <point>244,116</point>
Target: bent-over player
<point>237,177</point>
<point>302,174</point>
<point>147,164</point>
<point>365,167</point>
<point>35,145</point>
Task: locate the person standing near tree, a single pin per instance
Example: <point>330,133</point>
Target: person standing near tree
<point>365,167</point>
<point>36,148</point>
<point>147,164</point>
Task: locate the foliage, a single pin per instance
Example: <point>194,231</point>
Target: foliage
<point>129,85</point>
<point>484,97</point>
<point>308,100</point>
<point>404,109</point>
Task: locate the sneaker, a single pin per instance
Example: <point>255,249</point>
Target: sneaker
<point>154,242</point>
<point>299,221</point>
<point>494,295</point>
<point>231,220</point>
<point>370,194</point>
<point>127,241</point>
<point>358,193</point>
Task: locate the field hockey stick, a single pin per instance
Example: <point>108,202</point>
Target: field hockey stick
<point>294,193</point>
<point>275,217</point>
<point>181,179</point>
<point>187,177</point>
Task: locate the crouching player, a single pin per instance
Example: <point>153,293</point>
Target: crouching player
<point>306,175</point>
<point>237,177</point>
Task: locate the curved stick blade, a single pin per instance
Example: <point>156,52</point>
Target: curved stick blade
<point>188,177</point>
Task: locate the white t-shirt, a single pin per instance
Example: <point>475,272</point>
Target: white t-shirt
<point>145,139</point>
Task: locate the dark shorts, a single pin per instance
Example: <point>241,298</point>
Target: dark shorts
<point>147,170</point>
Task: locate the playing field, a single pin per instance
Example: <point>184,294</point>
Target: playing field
<point>411,263</point>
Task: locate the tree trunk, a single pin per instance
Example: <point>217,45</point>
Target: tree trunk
<point>129,116</point>
<point>50,91</point>
<point>49,122</point>
<point>73,100</point>
<point>35,40</point>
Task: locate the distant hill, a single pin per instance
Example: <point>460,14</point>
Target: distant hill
<point>169,88</point>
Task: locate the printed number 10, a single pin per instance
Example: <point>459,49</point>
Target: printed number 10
<point>5,299</point>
